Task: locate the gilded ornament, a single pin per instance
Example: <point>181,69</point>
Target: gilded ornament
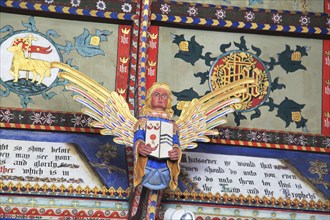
<point>296,116</point>
<point>123,59</point>
<point>125,31</point>
<point>152,63</point>
<point>241,65</point>
<point>95,41</point>
<point>153,36</point>
<point>183,45</point>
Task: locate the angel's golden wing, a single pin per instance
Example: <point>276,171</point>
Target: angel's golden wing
<point>200,116</point>
<point>110,110</point>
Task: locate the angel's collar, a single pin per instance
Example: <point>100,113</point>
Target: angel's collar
<point>157,114</point>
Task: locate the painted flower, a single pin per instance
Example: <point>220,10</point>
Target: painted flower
<point>6,116</point>
<point>220,14</point>
<point>277,18</point>
<point>126,7</point>
<point>77,120</point>
<point>249,16</point>
<point>290,111</point>
<point>302,140</point>
<point>49,1</point>
<point>122,213</point>
<point>328,22</point>
<point>318,167</point>
<point>189,51</point>
<point>89,122</point>
<point>75,3</point>
<point>165,8</point>
<point>252,136</point>
<point>49,119</point>
<point>37,118</point>
<point>101,5</point>
<point>304,20</point>
<point>226,133</point>
<point>82,121</point>
<point>192,11</point>
<point>326,143</point>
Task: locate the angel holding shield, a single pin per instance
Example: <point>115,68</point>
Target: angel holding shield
<point>154,129</point>
<point>155,173</point>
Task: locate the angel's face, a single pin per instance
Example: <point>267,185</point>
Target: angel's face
<point>159,99</point>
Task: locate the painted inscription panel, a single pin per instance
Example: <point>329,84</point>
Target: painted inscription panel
<point>245,171</point>
<point>61,163</point>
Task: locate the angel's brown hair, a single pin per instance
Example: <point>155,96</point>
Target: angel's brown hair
<point>146,109</point>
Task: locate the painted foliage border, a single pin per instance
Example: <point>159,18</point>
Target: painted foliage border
<point>110,209</point>
<point>114,209</point>
<point>231,212</point>
<point>78,122</point>
<point>62,208</point>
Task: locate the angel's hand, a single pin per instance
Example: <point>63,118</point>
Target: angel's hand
<point>144,149</point>
<point>174,154</point>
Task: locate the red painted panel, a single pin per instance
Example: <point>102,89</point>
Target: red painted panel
<point>326,88</point>
<point>152,52</point>
<point>123,59</point>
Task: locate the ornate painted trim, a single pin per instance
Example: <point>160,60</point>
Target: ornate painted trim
<point>66,208</point>
<point>134,57</point>
<point>130,165</point>
<point>117,10</point>
<point>326,89</point>
<point>273,139</point>
<point>250,200</point>
<point>209,15</point>
<point>152,51</point>
<point>45,120</point>
<point>78,122</point>
<point>178,196</point>
<point>326,80</point>
<point>123,59</point>
<point>142,64</point>
<point>231,212</point>
<point>51,189</point>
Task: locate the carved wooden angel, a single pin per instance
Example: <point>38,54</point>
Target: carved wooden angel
<point>154,130</point>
